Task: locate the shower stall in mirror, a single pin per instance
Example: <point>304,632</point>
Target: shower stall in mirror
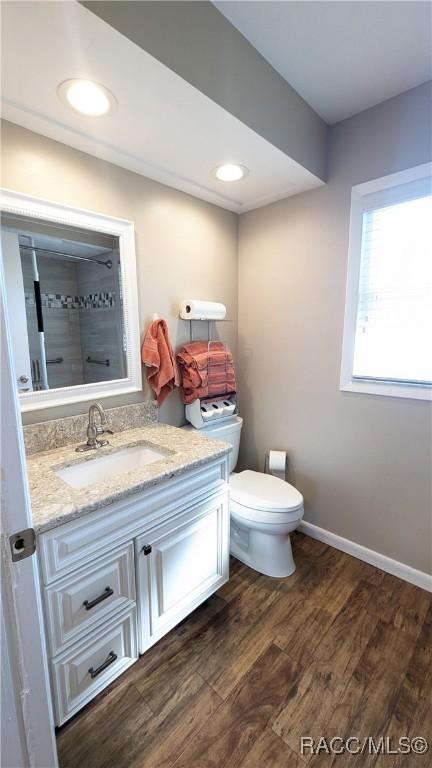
<point>64,300</point>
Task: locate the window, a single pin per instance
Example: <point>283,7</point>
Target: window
<point>387,347</point>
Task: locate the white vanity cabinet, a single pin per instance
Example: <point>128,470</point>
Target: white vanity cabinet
<point>117,579</point>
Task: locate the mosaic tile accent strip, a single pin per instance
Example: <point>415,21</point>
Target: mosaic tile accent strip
<point>104,300</point>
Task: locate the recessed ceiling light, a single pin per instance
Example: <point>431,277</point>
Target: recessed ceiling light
<point>230,172</point>
<point>87,97</point>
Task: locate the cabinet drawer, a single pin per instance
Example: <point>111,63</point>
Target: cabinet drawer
<point>78,602</point>
<point>64,549</point>
<point>89,666</point>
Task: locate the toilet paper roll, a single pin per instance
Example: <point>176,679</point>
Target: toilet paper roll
<point>277,463</point>
<point>194,309</point>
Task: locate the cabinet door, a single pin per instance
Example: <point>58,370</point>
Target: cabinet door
<point>180,564</point>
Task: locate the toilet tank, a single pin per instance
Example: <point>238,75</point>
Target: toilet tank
<point>228,432</point>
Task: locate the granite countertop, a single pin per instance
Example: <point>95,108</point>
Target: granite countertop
<point>54,502</point>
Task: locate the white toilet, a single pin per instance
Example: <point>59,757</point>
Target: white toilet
<point>264,510</point>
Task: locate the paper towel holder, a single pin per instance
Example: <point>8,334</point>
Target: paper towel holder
<point>184,312</point>
<point>202,309</point>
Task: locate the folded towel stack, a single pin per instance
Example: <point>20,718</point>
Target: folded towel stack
<point>207,370</point>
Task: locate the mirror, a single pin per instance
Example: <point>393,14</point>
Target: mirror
<point>66,295</point>
<point>63,292</point>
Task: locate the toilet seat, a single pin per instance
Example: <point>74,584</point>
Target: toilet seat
<point>273,521</point>
<point>264,498</point>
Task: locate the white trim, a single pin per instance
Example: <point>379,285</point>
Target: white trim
<point>359,194</point>
<point>401,570</point>
<point>410,391</point>
<point>95,147</point>
<point>20,588</point>
<point>17,203</point>
<point>394,179</point>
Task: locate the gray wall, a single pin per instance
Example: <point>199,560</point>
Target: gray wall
<point>185,248</point>
<point>361,461</point>
<point>198,43</point>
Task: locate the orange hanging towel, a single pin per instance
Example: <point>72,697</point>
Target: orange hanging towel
<point>158,356</point>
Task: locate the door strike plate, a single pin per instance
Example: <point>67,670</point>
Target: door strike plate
<point>22,544</point>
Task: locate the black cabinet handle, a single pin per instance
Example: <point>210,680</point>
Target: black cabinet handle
<point>147,549</point>
<point>89,604</point>
<point>111,658</point>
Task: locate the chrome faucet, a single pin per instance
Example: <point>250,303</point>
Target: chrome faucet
<point>93,430</point>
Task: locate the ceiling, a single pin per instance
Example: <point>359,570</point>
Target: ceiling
<point>163,127</point>
<point>341,57</point>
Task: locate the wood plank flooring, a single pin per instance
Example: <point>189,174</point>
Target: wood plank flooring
<point>338,649</point>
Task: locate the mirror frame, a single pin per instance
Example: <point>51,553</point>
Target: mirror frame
<point>38,208</point>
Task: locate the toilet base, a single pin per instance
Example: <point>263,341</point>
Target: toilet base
<point>267,553</point>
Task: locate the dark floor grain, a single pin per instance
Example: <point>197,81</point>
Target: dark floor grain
<point>337,649</point>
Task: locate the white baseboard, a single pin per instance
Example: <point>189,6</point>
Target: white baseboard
<point>401,570</point>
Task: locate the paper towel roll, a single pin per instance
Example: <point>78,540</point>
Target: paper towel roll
<point>194,309</point>
<point>277,464</point>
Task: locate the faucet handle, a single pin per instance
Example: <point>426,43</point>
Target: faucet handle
<point>103,431</point>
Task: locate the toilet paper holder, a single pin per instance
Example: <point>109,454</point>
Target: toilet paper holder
<point>275,463</point>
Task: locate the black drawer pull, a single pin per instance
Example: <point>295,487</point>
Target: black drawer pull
<point>89,604</point>
<point>109,660</point>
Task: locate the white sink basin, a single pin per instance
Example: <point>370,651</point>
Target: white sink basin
<point>104,467</point>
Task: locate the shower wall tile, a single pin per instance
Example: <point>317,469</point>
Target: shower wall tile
<point>61,325</point>
<point>101,330</point>
<point>63,340</point>
<point>82,318</point>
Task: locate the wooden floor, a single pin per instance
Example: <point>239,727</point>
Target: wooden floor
<point>338,649</point>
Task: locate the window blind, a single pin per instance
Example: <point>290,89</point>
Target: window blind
<point>394,312</point>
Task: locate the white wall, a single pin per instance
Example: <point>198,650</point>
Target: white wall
<point>361,461</point>
<point>186,248</point>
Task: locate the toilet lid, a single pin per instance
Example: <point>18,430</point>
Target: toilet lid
<point>264,492</point>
